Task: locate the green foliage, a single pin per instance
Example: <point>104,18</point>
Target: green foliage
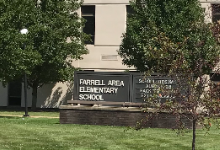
<point>171,37</point>
<point>158,30</point>
<point>53,40</point>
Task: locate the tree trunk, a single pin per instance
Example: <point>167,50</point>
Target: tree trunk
<point>34,97</point>
<point>194,134</point>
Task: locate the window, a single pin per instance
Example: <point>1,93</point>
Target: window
<point>215,12</point>
<point>88,13</point>
<point>129,10</point>
<point>14,93</point>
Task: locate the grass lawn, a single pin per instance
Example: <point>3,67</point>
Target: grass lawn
<point>47,134</point>
<point>21,113</point>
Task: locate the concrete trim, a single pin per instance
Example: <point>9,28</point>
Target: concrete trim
<point>109,108</point>
<point>210,1</point>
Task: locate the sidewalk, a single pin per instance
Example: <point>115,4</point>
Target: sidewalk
<point>5,115</point>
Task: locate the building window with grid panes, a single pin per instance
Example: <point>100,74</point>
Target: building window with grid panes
<point>129,10</point>
<point>88,13</point>
<point>215,12</point>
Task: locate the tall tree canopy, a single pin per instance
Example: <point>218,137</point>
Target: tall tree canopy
<point>53,40</point>
<point>178,21</point>
<point>171,37</point>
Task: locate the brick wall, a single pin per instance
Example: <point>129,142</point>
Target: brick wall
<point>117,117</point>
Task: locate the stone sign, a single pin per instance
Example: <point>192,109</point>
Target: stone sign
<point>123,87</point>
<point>102,87</point>
<point>149,86</point>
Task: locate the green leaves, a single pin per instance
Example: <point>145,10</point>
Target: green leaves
<point>50,24</point>
<point>158,32</point>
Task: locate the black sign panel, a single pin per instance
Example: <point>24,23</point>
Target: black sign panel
<point>102,86</point>
<point>149,86</point>
<point>126,87</point>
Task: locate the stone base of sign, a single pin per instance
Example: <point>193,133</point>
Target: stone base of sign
<point>118,116</point>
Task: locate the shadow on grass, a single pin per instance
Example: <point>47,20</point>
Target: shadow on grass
<point>21,109</point>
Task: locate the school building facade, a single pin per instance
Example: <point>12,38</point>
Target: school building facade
<point>106,21</point>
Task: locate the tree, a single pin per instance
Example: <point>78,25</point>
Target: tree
<point>53,41</point>
<point>170,37</point>
<point>177,19</point>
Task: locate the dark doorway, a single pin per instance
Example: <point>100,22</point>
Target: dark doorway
<point>14,93</point>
